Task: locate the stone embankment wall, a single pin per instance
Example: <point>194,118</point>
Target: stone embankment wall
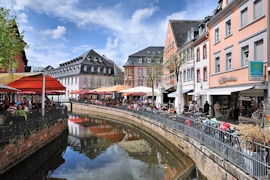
<point>208,162</point>
<point>20,147</point>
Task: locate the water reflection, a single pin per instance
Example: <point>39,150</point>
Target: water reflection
<point>100,149</point>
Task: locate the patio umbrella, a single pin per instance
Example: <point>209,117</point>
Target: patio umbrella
<point>4,88</point>
<point>159,98</point>
<point>100,89</point>
<point>115,89</point>
<point>74,92</point>
<point>139,89</point>
<point>179,101</point>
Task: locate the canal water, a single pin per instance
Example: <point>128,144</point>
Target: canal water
<point>100,149</point>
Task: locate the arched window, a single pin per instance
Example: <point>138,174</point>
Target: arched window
<point>104,70</point>
<point>92,69</point>
<point>98,69</point>
<point>85,68</point>
<point>109,71</point>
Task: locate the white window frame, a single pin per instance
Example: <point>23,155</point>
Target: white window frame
<point>244,61</point>
<point>228,19</point>
<point>192,73</point>
<point>140,60</point>
<point>158,60</point>
<point>217,55</point>
<point>262,10</point>
<point>241,9</point>
<point>140,82</point>
<point>149,60</point>
<point>216,34</point>
<point>184,76</point>
<point>188,75</point>
<point>140,71</point>
<point>254,49</point>
<point>227,51</point>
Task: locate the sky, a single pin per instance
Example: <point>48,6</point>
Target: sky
<point>57,31</point>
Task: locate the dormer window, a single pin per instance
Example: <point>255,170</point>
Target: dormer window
<point>100,60</point>
<point>148,52</point>
<point>104,70</point>
<point>92,69</point>
<point>140,60</point>
<point>192,34</point>
<point>88,58</point>
<point>85,68</point>
<point>158,60</point>
<point>149,60</point>
<point>95,59</point>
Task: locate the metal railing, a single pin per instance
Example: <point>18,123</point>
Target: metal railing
<point>252,157</point>
<point>17,125</point>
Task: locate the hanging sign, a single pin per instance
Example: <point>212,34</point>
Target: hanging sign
<point>255,70</point>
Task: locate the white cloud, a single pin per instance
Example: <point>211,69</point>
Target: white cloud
<point>55,33</point>
<point>22,18</point>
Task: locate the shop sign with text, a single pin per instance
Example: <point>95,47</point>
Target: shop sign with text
<point>223,79</point>
<point>255,71</point>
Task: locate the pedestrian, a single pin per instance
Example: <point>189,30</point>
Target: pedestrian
<point>196,107</point>
<point>206,107</point>
<point>216,109</point>
<point>191,106</point>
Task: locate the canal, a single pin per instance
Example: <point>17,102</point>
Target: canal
<point>98,148</point>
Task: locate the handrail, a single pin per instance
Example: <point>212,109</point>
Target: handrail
<point>16,125</point>
<point>251,157</point>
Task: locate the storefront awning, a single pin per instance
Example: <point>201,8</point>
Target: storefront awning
<point>221,91</point>
<point>174,94</point>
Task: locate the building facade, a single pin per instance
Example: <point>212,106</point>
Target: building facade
<point>88,71</point>
<point>238,39</point>
<point>144,66</point>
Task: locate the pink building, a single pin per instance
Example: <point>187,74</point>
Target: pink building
<point>238,37</point>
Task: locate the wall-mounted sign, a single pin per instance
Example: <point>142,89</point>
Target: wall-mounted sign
<point>255,71</point>
<point>223,79</point>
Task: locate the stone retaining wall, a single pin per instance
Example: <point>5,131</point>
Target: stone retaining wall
<point>208,162</point>
<point>20,147</point>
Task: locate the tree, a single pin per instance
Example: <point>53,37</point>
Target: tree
<point>174,63</point>
<point>11,41</point>
<point>153,73</point>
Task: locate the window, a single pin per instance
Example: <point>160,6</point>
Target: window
<point>85,68</point>
<point>180,74</point>
<point>245,55</point>
<point>204,52</point>
<point>228,28</point>
<point>104,70</point>
<point>158,60</point>
<point>205,74</point>
<point>149,71</point>
<point>259,50</point>
<point>140,71</point>
<point>217,64</point>
<point>98,69</point>
<point>228,61</point>
<point>129,71</point>
<point>217,35</point>
<point>192,73</point>
<point>92,69</point>
<point>140,60</point>
<point>140,83</point>
<point>109,71</point>
<point>71,81</point>
<point>244,17</point>
<point>188,75</point>
<point>149,60</point>
<point>198,55</point>
<point>76,80</point>
<point>257,9</point>
<point>198,75</point>
<point>184,74</point>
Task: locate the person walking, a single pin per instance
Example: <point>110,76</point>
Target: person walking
<point>206,107</point>
<point>216,109</point>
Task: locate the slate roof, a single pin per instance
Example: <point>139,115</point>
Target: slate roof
<point>180,29</point>
<point>152,52</point>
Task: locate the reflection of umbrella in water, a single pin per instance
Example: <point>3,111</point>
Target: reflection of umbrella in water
<point>113,137</point>
<point>136,146</point>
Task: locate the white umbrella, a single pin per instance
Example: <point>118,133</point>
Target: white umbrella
<point>179,101</point>
<point>159,98</point>
<point>139,89</point>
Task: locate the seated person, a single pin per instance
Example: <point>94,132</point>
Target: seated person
<point>171,110</point>
<point>20,112</point>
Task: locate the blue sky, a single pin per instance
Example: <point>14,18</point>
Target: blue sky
<point>60,30</point>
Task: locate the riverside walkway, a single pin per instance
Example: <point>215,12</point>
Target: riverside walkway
<point>249,156</point>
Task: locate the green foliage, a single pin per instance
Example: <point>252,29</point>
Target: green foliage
<point>11,41</point>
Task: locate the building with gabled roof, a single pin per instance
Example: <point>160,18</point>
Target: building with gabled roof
<point>141,63</point>
<point>87,71</point>
<point>176,38</point>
